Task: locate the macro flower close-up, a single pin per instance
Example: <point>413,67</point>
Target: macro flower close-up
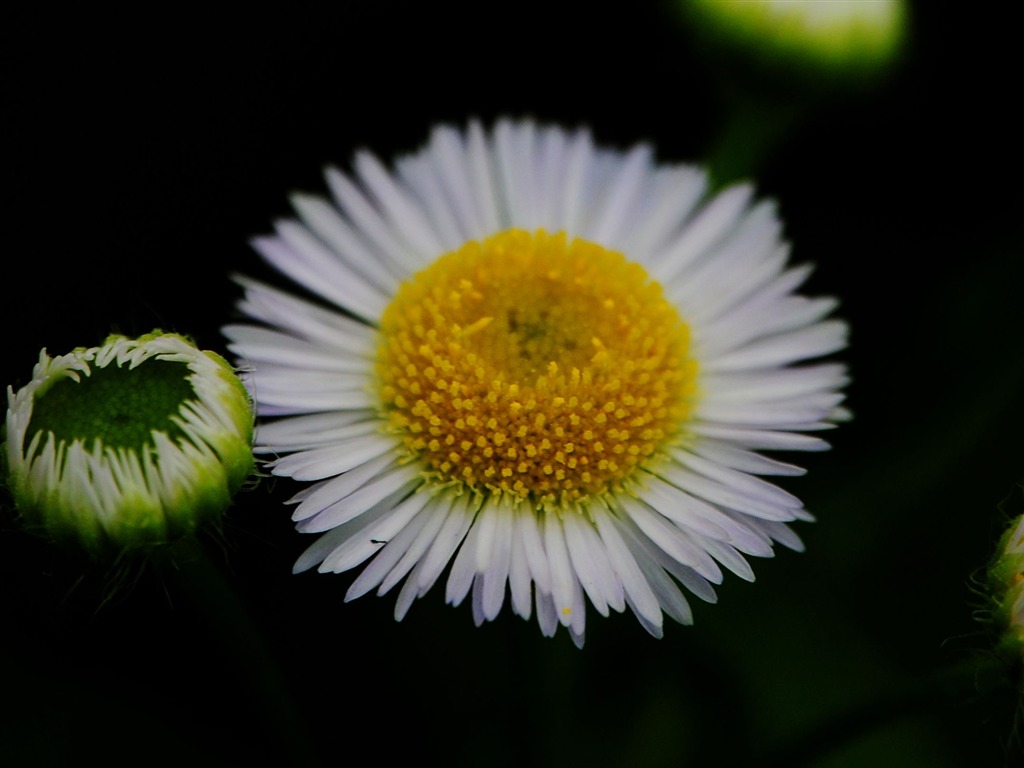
<point>555,384</point>
<point>551,365</point>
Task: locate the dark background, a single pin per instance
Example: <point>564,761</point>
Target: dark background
<point>142,150</point>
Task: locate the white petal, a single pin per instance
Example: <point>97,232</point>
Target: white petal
<point>578,160</point>
<point>616,207</point>
<point>408,593</point>
<point>338,234</point>
<point>463,571</point>
<point>260,345</point>
<point>448,539</point>
<point>784,348</point>
<point>563,579</point>
<point>328,461</point>
<point>305,319</point>
<point>735,457</point>
<point>385,560</point>
<point>437,515</point>
<point>528,528</point>
<point>519,580</point>
<point>711,223</point>
<point>316,498</point>
<point>547,616</point>
<point>670,199</point>
<point>513,142</point>
<point>585,544</point>
<point>773,385</point>
<point>358,501</point>
<point>372,226</point>
<point>761,439</point>
<point>495,574</point>
<point>583,563</point>
<point>671,600</point>
<point>297,253</point>
<point>317,430</point>
<point>361,543</point>
<point>426,183</point>
<point>742,482</point>
<point>674,541</point>
<point>399,208</point>
<point>728,497</point>
<point>638,592</point>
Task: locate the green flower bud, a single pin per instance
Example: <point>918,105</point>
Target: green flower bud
<point>828,36</point>
<point>1006,584</point>
<point>134,443</point>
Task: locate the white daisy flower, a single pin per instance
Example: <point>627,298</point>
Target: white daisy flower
<point>548,364</point>
<point>134,443</point>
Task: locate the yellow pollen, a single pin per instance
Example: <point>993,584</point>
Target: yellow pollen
<point>535,357</point>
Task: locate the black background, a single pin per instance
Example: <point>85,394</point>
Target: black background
<point>143,149</point>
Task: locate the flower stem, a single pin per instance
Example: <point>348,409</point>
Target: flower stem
<point>754,129</point>
<point>189,567</point>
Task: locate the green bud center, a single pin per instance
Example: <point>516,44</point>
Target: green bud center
<point>115,405</point>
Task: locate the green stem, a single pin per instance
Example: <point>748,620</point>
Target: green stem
<point>754,129</point>
<point>189,566</point>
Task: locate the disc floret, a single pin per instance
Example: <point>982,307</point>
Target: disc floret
<point>536,367</point>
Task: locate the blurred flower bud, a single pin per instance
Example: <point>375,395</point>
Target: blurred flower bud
<point>814,37</point>
<point>1006,582</point>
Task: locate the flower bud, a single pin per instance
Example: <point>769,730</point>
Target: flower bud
<point>819,37</point>
<point>130,444</point>
<point>1006,583</point>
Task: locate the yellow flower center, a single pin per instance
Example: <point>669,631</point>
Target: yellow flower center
<point>535,367</point>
